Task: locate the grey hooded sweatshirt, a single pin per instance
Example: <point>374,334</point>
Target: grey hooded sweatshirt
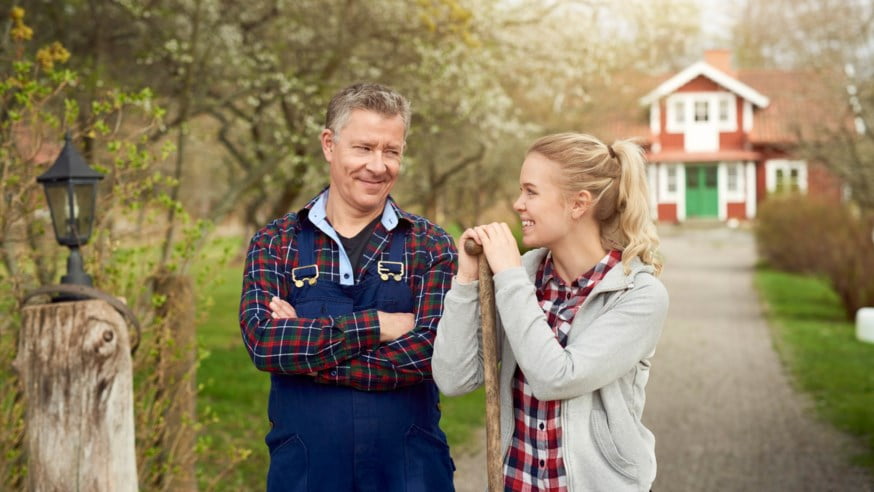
<point>599,376</point>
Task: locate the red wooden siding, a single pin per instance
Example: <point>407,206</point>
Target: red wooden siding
<point>736,210</point>
<point>667,212</point>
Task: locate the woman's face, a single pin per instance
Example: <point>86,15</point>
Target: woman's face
<point>542,206</point>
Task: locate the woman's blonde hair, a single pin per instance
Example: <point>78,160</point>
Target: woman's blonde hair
<point>615,175</point>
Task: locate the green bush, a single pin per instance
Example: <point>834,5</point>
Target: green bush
<point>804,235</point>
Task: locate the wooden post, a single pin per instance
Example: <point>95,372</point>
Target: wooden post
<point>75,368</point>
<point>494,460</point>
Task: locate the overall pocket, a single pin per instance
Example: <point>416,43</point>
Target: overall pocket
<point>288,466</point>
<point>429,467</point>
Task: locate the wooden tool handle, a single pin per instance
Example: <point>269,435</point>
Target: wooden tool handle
<point>494,460</point>
<point>472,248</point>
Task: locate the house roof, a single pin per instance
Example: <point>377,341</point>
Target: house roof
<point>706,70</point>
<point>804,104</point>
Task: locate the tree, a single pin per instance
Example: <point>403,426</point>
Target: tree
<point>38,103</point>
<point>832,43</point>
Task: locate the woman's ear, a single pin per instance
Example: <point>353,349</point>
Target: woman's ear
<point>580,204</point>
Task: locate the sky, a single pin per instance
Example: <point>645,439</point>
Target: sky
<point>717,18</point>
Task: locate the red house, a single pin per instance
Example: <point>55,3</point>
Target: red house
<point>720,141</point>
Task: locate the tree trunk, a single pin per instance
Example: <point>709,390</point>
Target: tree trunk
<point>178,354</point>
<point>75,367</point>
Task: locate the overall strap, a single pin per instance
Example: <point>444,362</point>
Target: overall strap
<point>393,268</point>
<point>398,236</point>
<point>307,270</point>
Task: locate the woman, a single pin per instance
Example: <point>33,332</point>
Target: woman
<point>578,318</point>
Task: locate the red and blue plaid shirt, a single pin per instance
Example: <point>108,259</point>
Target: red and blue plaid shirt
<point>534,461</point>
<point>344,350</point>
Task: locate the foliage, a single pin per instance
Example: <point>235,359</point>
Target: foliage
<point>820,349</point>
<point>830,43</point>
<point>39,101</point>
<point>246,85</point>
<point>798,234</point>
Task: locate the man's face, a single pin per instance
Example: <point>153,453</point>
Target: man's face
<point>365,159</point>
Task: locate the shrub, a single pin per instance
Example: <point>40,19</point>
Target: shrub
<point>804,235</point>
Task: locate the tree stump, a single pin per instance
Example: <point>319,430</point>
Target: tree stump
<point>75,367</point>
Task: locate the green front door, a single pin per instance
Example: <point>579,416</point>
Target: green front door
<point>701,199</point>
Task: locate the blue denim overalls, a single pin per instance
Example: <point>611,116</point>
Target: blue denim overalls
<point>338,439</point>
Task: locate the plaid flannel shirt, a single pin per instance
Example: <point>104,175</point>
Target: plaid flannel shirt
<point>344,350</point>
<point>534,461</point>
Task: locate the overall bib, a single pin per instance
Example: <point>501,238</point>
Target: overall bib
<point>338,439</point>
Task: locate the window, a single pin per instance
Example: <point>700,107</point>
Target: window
<point>679,112</point>
<point>783,176</point>
<point>732,181</point>
<point>723,111</point>
<point>672,179</point>
<point>794,180</point>
<point>701,111</point>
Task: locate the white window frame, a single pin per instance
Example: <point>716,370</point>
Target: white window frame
<point>655,118</point>
<point>677,122</point>
<point>729,125</point>
<point>738,172</point>
<point>678,196</point>
<point>748,116</point>
<point>672,123</point>
<point>724,193</point>
<point>752,195</point>
<point>705,103</point>
<point>787,166</point>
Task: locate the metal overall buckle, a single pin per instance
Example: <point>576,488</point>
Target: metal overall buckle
<point>309,274</point>
<point>394,269</point>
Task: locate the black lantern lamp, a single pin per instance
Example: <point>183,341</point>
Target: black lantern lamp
<point>71,190</point>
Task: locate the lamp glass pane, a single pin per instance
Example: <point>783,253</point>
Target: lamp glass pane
<point>84,195</point>
<point>56,195</point>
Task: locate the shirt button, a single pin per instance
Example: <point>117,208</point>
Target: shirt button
<point>542,426</point>
<point>345,275</point>
<point>333,373</point>
<point>542,463</point>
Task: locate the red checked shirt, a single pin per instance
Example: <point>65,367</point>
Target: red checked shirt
<point>534,461</point>
<point>344,350</point>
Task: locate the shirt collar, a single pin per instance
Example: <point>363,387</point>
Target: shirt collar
<point>548,270</point>
<point>317,211</point>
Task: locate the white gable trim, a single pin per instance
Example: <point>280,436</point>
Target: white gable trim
<point>751,190</point>
<point>702,68</point>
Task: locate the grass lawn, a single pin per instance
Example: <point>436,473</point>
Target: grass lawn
<point>820,347</point>
<point>235,393</point>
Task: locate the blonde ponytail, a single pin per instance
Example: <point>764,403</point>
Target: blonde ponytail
<point>633,207</point>
<point>616,176</point>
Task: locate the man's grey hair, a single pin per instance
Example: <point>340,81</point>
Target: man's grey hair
<point>372,97</point>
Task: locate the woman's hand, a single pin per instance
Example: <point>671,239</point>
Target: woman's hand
<point>499,246</point>
<point>468,266</point>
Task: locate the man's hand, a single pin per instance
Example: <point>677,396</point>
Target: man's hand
<point>394,325</point>
<point>281,309</point>
<point>468,266</point>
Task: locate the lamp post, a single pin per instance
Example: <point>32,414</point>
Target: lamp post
<point>71,190</point>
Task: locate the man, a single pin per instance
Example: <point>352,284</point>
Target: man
<point>340,304</point>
